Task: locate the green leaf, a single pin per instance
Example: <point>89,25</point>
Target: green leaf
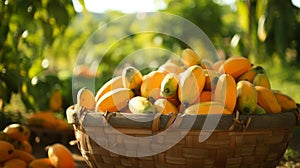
<point>58,12</point>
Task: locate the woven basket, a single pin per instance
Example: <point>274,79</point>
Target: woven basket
<point>237,141</point>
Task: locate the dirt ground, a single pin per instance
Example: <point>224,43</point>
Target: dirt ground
<point>292,157</point>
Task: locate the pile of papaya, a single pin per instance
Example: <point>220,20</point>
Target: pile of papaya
<point>16,151</point>
<point>50,118</point>
<point>190,85</point>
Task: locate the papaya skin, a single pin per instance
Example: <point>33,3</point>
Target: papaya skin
<point>150,87</point>
<point>246,97</point>
<point>262,79</point>
<point>267,100</point>
<point>132,79</point>
<point>191,84</point>
<point>226,92</point>
<point>114,100</point>
<point>235,66</point>
<point>205,108</point>
<point>113,83</point>
<point>6,151</point>
<point>286,102</point>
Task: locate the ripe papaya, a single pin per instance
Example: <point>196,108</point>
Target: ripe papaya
<point>206,96</point>
<point>86,98</point>
<point>139,104</point>
<point>190,57</point>
<point>7,151</point>
<point>246,97</point>
<point>267,100</point>
<point>169,88</point>
<point>15,163</point>
<point>150,87</point>
<point>286,102</point>
<point>17,131</point>
<point>191,84</point>
<point>235,66</point>
<point>170,67</point>
<point>164,106</point>
<point>132,79</point>
<point>226,92</point>
<point>22,145</point>
<point>114,100</point>
<point>60,156</point>
<point>251,73</point>
<point>211,79</point>
<point>25,156</point>
<point>205,108</point>
<point>26,146</point>
<point>262,79</point>
<point>41,163</point>
<point>113,83</point>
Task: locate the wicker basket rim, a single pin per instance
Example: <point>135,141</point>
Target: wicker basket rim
<point>90,118</point>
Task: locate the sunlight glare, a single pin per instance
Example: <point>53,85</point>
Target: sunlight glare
<point>296,3</point>
<point>126,6</point>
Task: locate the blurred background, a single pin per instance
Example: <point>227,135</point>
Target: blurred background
<point>40,41</point>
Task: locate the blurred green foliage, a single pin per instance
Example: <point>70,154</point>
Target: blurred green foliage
<point>40,41</point>
<point>27,28</point>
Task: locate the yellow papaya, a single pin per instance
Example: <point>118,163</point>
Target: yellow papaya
<point>86,98</point>
<point>267,100</point>
<point>17,131</point>
<point>206,96</point>
<point>246,97</point>
<point>22,145</point>
<point>169,88</point>
<point>132,79</point>
<point>262,79</point>
<point>191,84</point>
<point>113,83</point>
<point>205,108</point>
<point>286,102</point>
<point>25,156</point>
<point>226,92</point>
<point>164,106</point>
<point>7,151</point>
<point>60,156</point>
<point>235,66</point>
<point>251,73</point>
<point>139,104</point>
<point>190,57</point>
<point>15,163</point>
<point>150,87</point>
<point>114,100</point>
<point>211,79</point>
<point>41,163</point>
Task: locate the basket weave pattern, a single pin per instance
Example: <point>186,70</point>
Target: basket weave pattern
<point>253,147</point>
<point>221,149</point>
